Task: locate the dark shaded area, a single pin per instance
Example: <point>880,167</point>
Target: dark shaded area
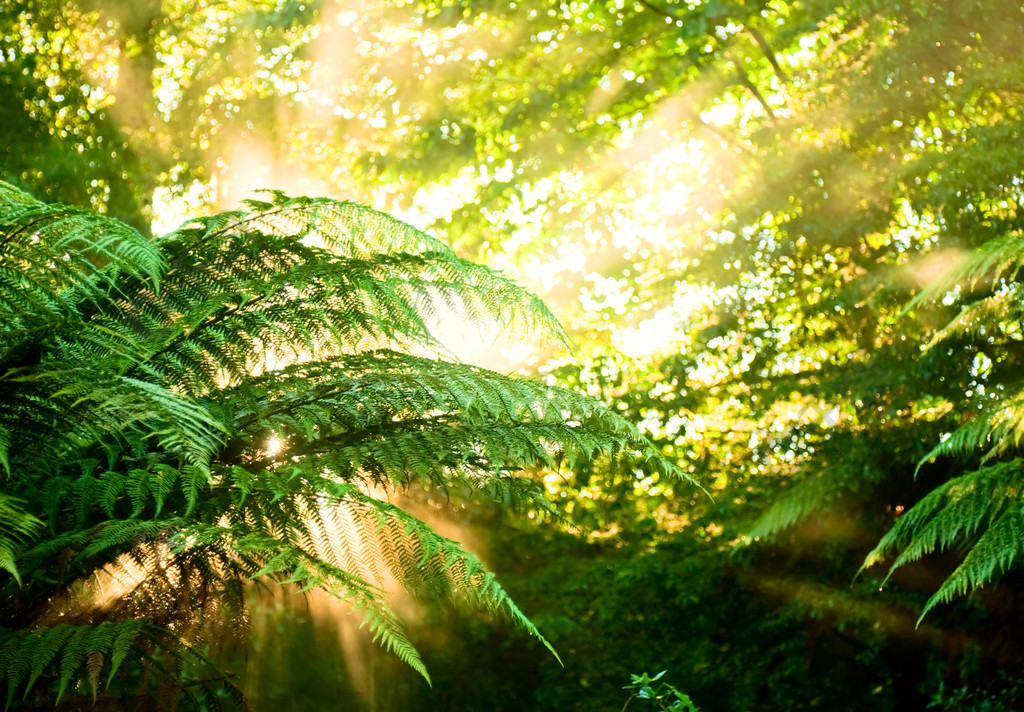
<point>768,628</point>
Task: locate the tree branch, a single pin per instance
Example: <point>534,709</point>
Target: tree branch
<point>661,11</point>
<point>769,53</point>
<point>744,81</point>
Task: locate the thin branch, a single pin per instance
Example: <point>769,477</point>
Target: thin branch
<point>769,53</point>
<point>661,11</point>
<point>712,129</point>
<point>744,81</point>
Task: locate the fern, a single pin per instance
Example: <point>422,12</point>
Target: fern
<point>998,428</point>
<point>977,317</point>
<point>66,652</point>
<point>986,502</point>
<point>61,255</point>
<point>998,260</point>
<point>140,384</point>
<point>16,527</point>
<point>5,444</point>
<point>979,511</point>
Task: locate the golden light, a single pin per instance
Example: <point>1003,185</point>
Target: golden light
<point>274,445</point>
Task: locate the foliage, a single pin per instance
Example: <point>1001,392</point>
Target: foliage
<point>831,354</point>
<point>664,695</point>
<point>813,211</point>
<point>981,506</point>
<point>1004,694</point>
<point>232,402</point>
<point>821,203</point>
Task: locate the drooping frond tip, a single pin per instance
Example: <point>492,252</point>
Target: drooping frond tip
<point>983,508</point>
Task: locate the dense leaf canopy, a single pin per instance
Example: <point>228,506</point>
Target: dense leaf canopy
<point>785,235</point>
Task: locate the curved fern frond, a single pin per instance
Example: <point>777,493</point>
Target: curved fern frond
<point>52,257</point>
<point>794,505</point>
<point>979,316</point>
<point>400,418</point>
<point>997,260</point>
<point>1000,428</point>
<point>5,445</point>
<point>121,404</point>
<point>985,501</point>
<point>16,527</point>
<point>423,560</point>
<point>304,277</point>
<point>63,653</point>
<point>818,490</point>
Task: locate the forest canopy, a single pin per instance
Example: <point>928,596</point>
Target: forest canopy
<point>785,238</point>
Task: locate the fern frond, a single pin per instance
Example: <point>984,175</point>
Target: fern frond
<point>994,552</point>
<point>424,560</point>
<point>56,256</point>
<point>332,275</point>
<point>5,444</point>
<point>791,507</point>
<point>293,565</point>
<point>815,492</point>
<point>985,501</point>
<point>16,527</point>
<point>999,259</point>
<point>404,417</point>
<point>63,653</point>
<point>979,316</point>
<point>1000,428</point>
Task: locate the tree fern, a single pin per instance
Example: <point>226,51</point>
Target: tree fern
<point>977,512</point>
<point>141,383</point>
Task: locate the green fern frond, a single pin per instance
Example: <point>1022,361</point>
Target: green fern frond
<point>815,492</point>
<point>792,507</point>
<point>17,526</point>
<point>5,444</point>
<point>59,255</point>
<point>48,645</point>
<point>978,510</point>
<point>292,565</point>
<point>979,316</point>
<point>373,406</point>
<point>178,423</point>
<point>999,428</point>
<point>342,558</point>
<point>986,501</point>
<point>62,653</point>
<point>996,260</point>
<point>995,551</point>
<point>425,560</point>
<point>370,271</point>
